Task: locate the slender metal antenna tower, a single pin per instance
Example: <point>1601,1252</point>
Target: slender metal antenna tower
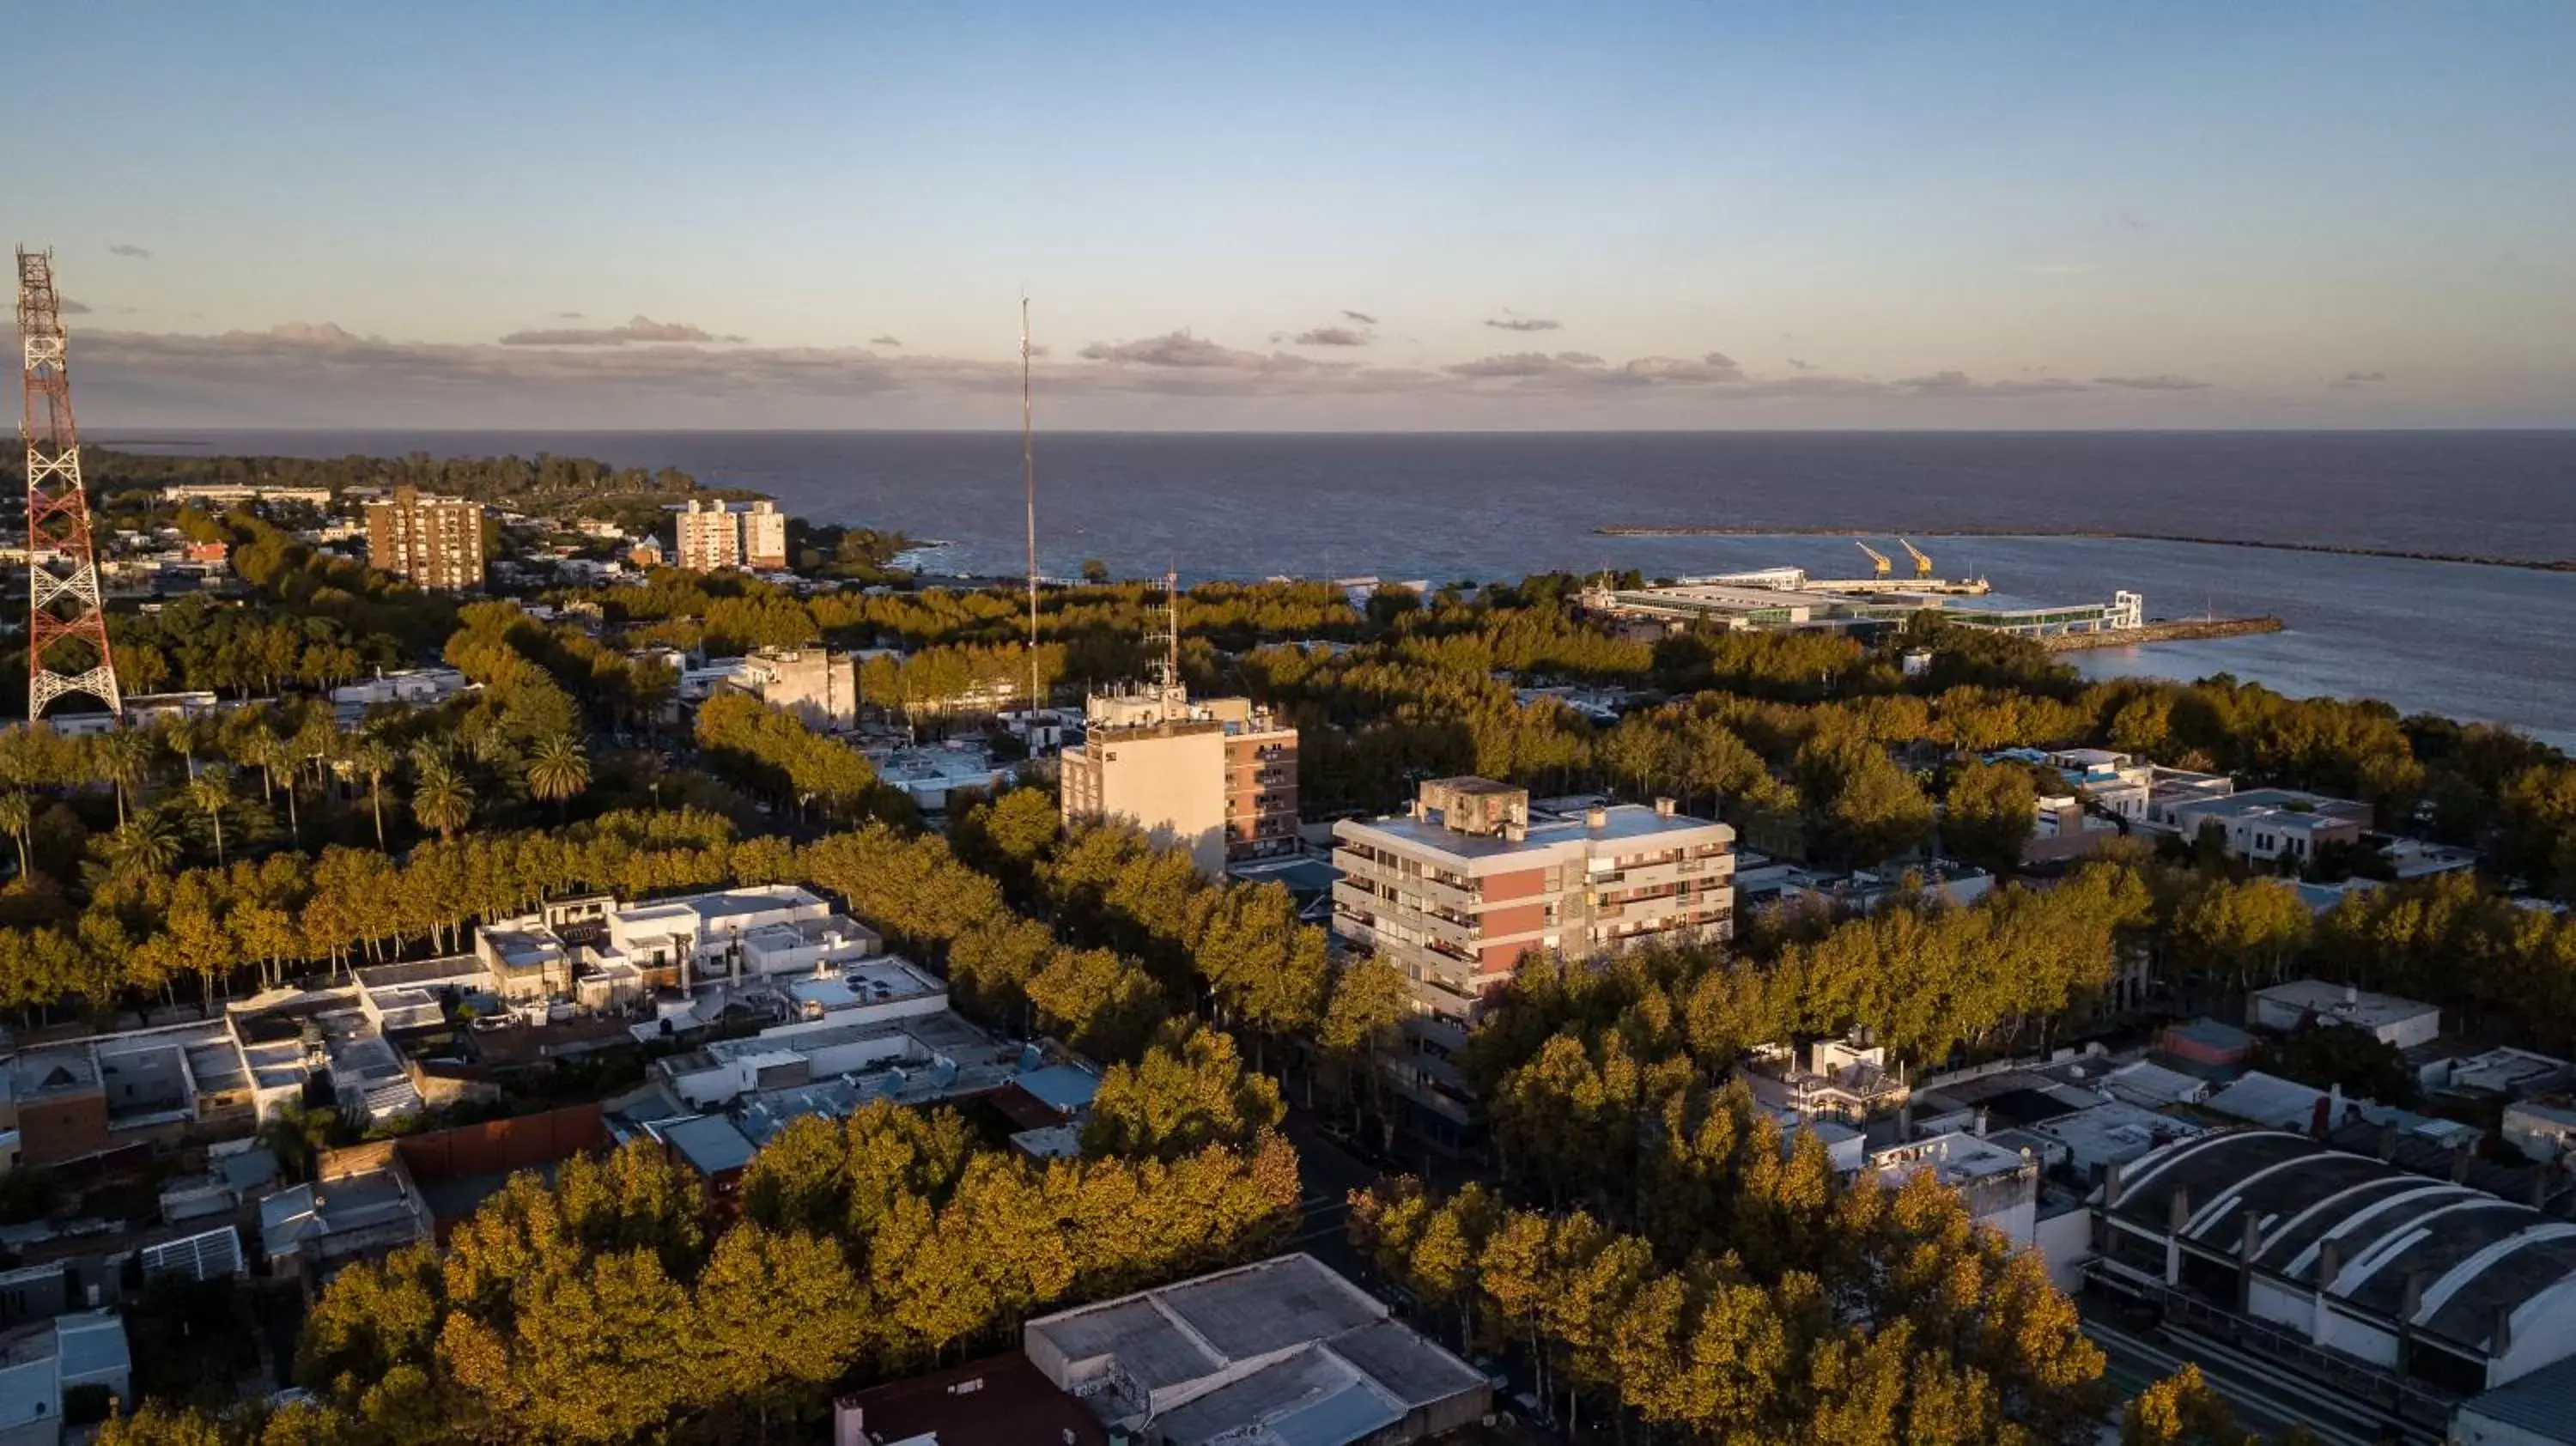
<point>1171,699</point>
<point>63,603</point>
<point>1029,467</point>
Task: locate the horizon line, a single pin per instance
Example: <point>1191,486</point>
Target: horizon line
<point>183,436</point>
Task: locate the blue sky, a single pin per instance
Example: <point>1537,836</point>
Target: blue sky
<point>1319,215</point>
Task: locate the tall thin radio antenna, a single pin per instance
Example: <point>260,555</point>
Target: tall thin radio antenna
<point>1029,467</point>
<point>1171,698</point>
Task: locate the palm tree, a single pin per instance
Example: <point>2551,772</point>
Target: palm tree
<point>210,793</point>
<point>145,845</point>
<point>372,758</point>
<point>427,753</point>
<point>558,769</point>
<point>441,800</point>
<point>18,816</point>
<point>317,743</point>
<point>264,751</point>
<point>124,758</point>
<point>276,754</point>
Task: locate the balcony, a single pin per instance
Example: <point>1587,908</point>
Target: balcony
<point>1434,1029</point>
<point>1425,886</point>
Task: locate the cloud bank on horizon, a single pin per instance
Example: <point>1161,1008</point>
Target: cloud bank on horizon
<point>663,374</point>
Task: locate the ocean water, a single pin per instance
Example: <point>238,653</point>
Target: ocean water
<point>2481,642</point>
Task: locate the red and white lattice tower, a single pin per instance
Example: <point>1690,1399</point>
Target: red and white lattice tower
<point>66,626</point>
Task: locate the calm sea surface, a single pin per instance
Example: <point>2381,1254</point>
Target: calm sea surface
<point>2489,643</point>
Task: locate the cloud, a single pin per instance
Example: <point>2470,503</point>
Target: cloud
<point>1362,317</point>
<point>2160,382</point>
<point>71,307</point>
<point>1714,368</point>
<point>640,328</point>
<point>1517,364</point>
<point>1804,366</point>
<point>308,333</point>
<point>1960,384</point>
<point>885,341</point>
<point>1181,350</point>
<point>1585,370</point>
<point>128,249</point>
<point>1509,322</point>
<point>2357,379</point>
<point>1332,336</point>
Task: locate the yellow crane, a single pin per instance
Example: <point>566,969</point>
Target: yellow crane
<point>1922,564</point>
<point>1878,559</point>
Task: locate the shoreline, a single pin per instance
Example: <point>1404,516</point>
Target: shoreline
<point>2527,564</point>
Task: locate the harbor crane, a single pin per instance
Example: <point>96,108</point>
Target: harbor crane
<point>1922,564</point>
<point>1877,559</point>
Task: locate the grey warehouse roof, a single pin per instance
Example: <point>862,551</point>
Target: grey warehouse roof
<point>2478,1254</point>
<point>2543,1403</point>
<point>1290,1354</point>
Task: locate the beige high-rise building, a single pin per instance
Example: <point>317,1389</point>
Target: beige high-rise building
<point>1471,882</point>
<point>436,542</point>
<point>714,537</point>
<point>1216,776</point>
<point>710,540</point>
<point>764,537</point>
<point>817,685</point>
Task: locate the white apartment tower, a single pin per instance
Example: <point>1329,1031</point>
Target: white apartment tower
<point>709,540</point>
<point>716,538</point>
<point>764,537</point>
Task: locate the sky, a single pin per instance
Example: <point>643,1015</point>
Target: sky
<point>1325,215</point>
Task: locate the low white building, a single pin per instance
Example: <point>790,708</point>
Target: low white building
<point>2543,1129</point>
<point>930,775</point>
<point>2000,1185</point>
<point>761,930</point>
<point>2283,1104</point>
<point>911,1034</point>
<point>1278,1352</point>
<point>42,1363</point>
<point>2170,790</point>
<point>405,687</point>
<point>1839,1080</point>
<point>2264,824</point>
<point>699,681</point>
<point>1860,891</point>
<point>2404,1023</point>
<point>2508,1074</point>
<point>2411,858</point>
<point>361,1203</point>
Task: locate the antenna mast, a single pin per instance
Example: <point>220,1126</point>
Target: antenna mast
<point>1029,468</point>
<point>62,569</point>
<point>1172,698</point>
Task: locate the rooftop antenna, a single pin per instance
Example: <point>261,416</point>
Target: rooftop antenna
<point>1029,467</point>
<point>1171,700</point>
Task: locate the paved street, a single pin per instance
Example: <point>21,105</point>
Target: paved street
<point>1328,1174</point>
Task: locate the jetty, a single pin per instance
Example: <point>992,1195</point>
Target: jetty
<point>2179,630</point>
<point>2397,554</point>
